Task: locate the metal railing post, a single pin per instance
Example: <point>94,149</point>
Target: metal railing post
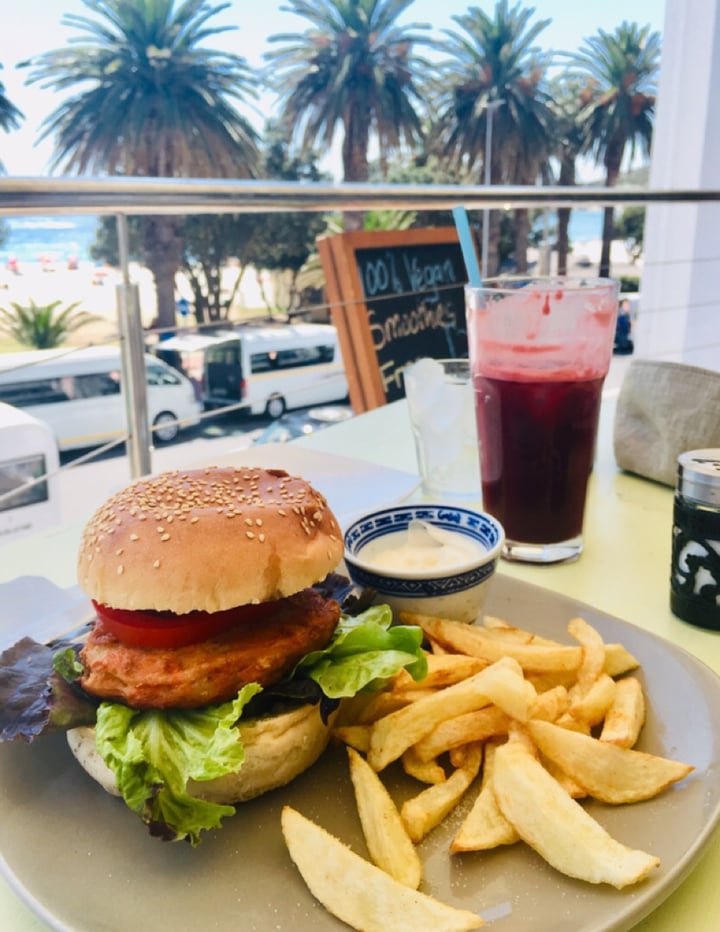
<point>132,353</point>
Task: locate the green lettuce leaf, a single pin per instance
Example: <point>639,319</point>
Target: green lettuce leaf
<point>367,650</point>
<point>154,754</point>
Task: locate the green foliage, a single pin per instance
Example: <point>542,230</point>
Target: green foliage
<point>630,227</point>
<point>142,93</point>
<point>43,326</point>
<point>353,68</point>
<point>105,246</point>
<point>629,283</point>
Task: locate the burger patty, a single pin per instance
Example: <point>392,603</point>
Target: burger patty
<point>214,670</point>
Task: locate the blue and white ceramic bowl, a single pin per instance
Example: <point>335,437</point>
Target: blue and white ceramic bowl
<point>456,592</point>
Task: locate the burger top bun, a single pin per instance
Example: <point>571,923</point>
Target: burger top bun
<point>277,749</point>
<point>208,539</point>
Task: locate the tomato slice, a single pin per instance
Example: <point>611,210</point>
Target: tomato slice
<point>166,629</point>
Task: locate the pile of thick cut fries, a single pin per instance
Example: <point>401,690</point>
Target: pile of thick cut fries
<point>536,724</point>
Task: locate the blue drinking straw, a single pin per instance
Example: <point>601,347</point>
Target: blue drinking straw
<point>467,246</point>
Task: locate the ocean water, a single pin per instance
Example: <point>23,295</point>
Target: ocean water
<point>585,225</point>
<point>56,238</point>
<point>59,238</point>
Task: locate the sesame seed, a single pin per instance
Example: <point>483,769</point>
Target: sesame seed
<point>258,522</point>
<point>261,538</point>
<point>134,537</point>
<point>194,520</point>
<point>165,537</point>
<point>119,570</point>
<point>250,535</point>
<point>118,552</point>
<point>156,565</point>
<point>160,529</point>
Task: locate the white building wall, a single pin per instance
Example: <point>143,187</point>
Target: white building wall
<point>680,307</point>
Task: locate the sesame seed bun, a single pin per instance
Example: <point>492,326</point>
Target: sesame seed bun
<point>208,539</point>
<point>277,749</point>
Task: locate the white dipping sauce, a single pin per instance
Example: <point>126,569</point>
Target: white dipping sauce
<point>421,547</point>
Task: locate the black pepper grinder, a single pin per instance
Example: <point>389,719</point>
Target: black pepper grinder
<point>695,569</point>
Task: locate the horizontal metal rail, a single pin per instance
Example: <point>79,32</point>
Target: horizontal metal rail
<point>194,196</point>
<point>123,197</point>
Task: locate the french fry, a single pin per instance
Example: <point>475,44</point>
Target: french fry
<point>423,812</point>
<point>443,670</point>
<point>485,826</point>
<point>608,773</point>
<point>500,628</point>
<point>593,656</point>
<point>388,842</point>
<point>619,660</point>
<point>392,735</point>
<point>558,827</point>
<point>377,705</point>
<point>453,732</point>
<point>548,699</point>
<point>592,705</point>
<point>550,704</point>
<point>626,715</point>
<point>359,893</point>
<point>473,640</point>
<point>426,771</point>
<point>356,736</point>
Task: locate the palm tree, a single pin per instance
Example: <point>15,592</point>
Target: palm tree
<point>570,96</point>
<point>151,100</point>
<point>43,326</point>
<point>494,71</point>
<point>10,116</point>
<point>353,69</point>
<point>622,68</point>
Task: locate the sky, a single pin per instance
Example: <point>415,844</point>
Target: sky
<point>30,27</point>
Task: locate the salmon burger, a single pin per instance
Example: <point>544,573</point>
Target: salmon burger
<point>223,642</point>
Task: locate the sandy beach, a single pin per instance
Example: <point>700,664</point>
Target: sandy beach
<point>96,290</point>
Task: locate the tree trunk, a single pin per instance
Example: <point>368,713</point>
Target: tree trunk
<point>613,161</point>
<point>563,240</point>
<point>567,178</point>
<point>355,162</point>
<point>522,230</point>
<point>163,255</point>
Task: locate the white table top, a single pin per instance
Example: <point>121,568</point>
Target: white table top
<point>623,571</point>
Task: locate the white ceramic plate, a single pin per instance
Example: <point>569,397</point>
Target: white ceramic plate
<point>83,862</point>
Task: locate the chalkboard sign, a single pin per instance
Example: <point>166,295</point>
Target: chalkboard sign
<point>394,296</point>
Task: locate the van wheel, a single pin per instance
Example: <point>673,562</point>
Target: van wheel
<point>165,427</point>
<point>275,407</point>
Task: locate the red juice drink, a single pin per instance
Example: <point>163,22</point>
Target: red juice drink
<point>539,355</point>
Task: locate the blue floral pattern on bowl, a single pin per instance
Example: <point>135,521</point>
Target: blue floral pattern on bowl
<point>475,525</point>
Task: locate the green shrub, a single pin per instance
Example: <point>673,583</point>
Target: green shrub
<point>42,326</point>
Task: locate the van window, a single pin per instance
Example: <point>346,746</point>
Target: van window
<point>159,375</point>
<point>91,386</point>
<point>24,394</point>
<point>57,390</point>
<point>291,358</point>
<point>14,474</point>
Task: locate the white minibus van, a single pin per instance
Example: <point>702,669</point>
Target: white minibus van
<point>29,484</point>
<point>79,394</point>
<point>267,369</point>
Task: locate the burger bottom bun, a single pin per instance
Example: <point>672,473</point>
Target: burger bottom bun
<point>277,749</point>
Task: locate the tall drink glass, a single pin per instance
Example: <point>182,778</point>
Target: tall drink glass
<point>540,350</point>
